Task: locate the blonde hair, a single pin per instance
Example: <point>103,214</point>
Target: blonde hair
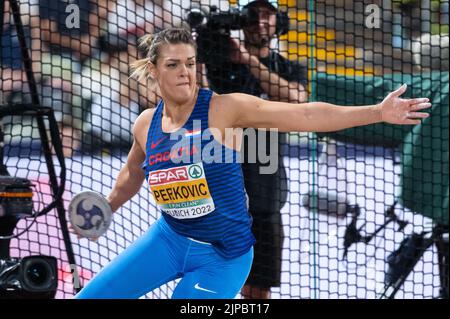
<point>151,43</point>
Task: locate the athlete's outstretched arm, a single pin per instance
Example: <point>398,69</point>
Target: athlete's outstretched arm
<point>249,111</point>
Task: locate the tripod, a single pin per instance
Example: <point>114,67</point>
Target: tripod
<point>408,255</point>
<point>409,260</point>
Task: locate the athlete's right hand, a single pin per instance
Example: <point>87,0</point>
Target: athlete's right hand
<point>73,231</point>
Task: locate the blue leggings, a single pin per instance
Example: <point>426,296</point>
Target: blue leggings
<point>162,255</point>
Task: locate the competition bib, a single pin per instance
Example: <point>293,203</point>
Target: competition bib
<point>182,192</point>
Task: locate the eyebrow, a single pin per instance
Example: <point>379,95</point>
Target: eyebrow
<point>178,60</point>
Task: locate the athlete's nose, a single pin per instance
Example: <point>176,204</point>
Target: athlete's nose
<point>184,70</point>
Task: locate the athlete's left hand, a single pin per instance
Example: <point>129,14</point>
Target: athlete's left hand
<point>396,110</point>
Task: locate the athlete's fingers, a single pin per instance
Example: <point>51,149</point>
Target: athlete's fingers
<point>419,100</point>
<point>418,115</point>
<point>73,231</point>
<point>420,106</point>
<point>412,122</point>
<point>399,91</point>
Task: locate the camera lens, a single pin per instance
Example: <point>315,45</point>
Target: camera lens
<point>195,17</point>
<point>37,273</point>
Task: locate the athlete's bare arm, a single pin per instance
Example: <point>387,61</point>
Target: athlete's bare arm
<point>242,110</point>
<point>131,175</point>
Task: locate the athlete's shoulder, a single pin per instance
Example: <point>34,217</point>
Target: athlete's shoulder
<point>141,126</point>
<point>143,120</point>
<point>147,114</point>
<point>230,100</point>
<point>225,109</point>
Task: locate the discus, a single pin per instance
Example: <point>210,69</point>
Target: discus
<point>90,214</point>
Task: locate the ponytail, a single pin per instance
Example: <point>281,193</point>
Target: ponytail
<point>139,69</point>
<point>151,43</point>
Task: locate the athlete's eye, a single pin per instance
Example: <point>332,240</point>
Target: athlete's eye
<point>171,65</point>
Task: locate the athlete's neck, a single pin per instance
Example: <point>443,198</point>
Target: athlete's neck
<point>176,114</point>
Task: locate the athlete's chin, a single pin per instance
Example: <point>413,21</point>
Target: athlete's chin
<point>183,88</point>
<point>183,93</point>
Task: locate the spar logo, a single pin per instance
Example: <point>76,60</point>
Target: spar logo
<point>176,174</point>
<point>195,171</point>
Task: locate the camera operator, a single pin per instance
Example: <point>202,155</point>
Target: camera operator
<point>253,67</point>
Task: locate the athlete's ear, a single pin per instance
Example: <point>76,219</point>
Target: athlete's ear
<point>151,70</point>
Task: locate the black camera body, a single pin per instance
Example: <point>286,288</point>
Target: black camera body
<point>33,277</point>
<point>16,202</point>
<point>213,30</point>
<point>16,197</point>
<point>112,43</point>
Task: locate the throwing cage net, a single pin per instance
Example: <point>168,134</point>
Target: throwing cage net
<point>359,213</point>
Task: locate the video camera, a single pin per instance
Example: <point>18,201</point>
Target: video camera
<point>212,29</point>
<point>15,197</point>
<point>112,43</point>
<point>30,277</point>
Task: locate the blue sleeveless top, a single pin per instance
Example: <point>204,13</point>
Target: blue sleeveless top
<point>197,182</point>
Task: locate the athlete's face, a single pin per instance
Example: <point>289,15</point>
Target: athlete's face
<point>175,72</point>
<point>262,27</point>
